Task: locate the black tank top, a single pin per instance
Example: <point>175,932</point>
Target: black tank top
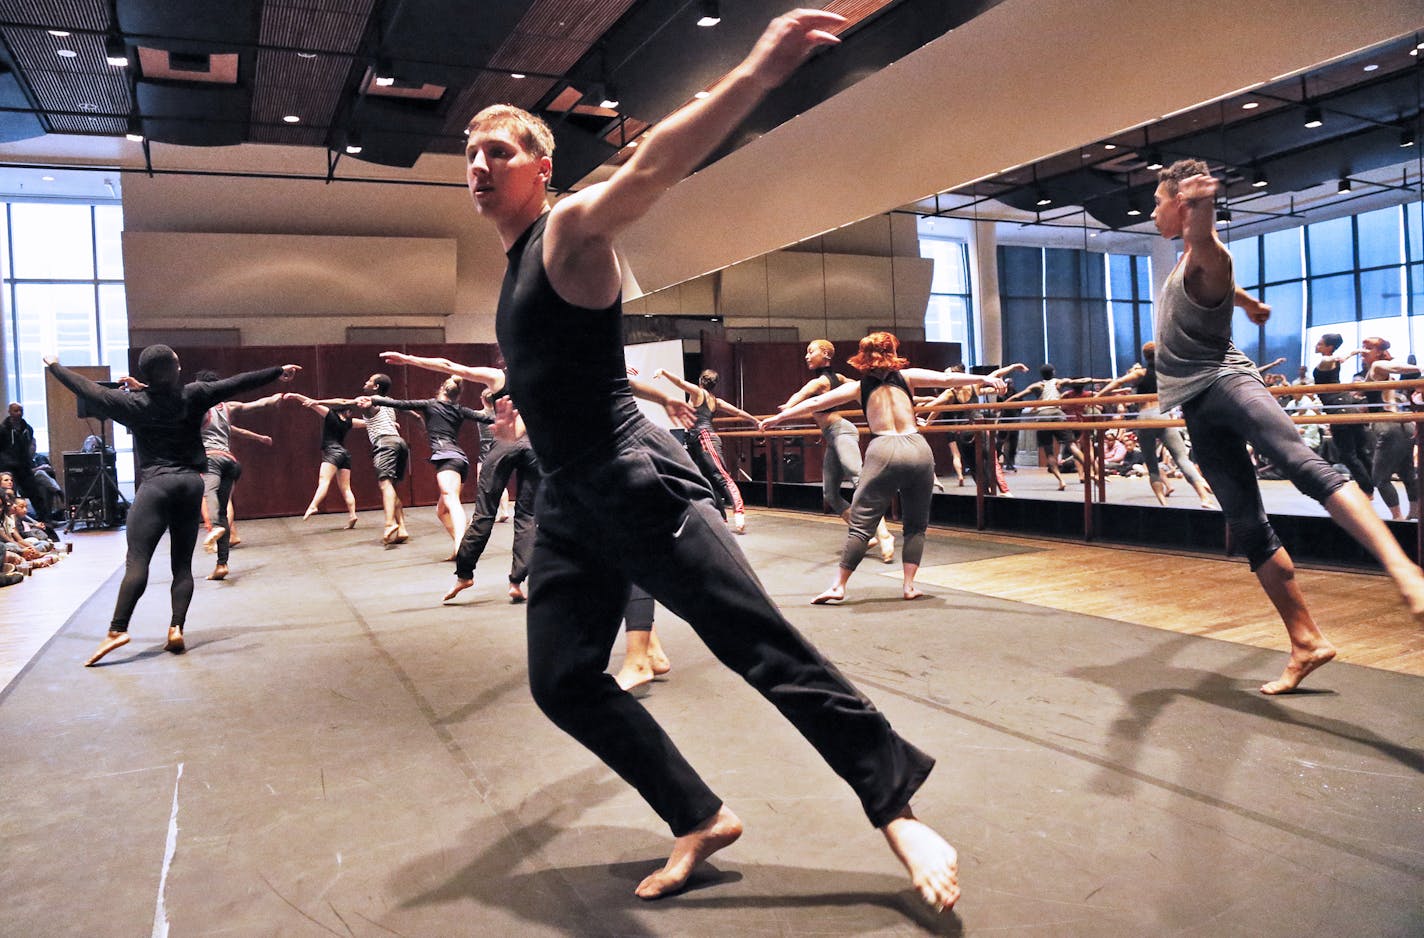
<point>1147,384</point>
<point>1329,376</point>
<point>334,427</point>
<point>836,380</point>
<point>704,415</point>
<point>869,383</point>
<point>567,375</point>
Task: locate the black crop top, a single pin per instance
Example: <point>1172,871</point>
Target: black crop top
<point>870,382</point>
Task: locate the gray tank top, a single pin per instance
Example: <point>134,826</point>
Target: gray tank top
<point>1194,347</point>
<point>381,421</point>
<point>216,429</point>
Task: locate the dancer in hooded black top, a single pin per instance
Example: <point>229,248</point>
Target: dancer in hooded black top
<point>166,420</point>
<point>622,502</point>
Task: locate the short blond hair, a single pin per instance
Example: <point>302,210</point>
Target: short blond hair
<point>824,346</point>
<point>531,131</point>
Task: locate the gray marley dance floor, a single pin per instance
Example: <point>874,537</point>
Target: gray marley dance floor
<point>337,754</point>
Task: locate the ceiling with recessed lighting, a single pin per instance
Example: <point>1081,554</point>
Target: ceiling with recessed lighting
<point>1341,137</point>
<point>386,81</point>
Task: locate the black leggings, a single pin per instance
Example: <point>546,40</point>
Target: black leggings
<point>1352,450</point>
<point>1233,412</point>
<point>1394,454</point>
<point>222,474</point>
<point>169,502</point>
<point>642,512</point>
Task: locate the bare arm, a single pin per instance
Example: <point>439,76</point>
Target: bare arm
<point>1036,386</point>
<point>305,401</point>
<point>735,410</point>
<point>678,410</point>
<point>687,386</point>
<point>920,377</point>
<point>262,438</point>
<point>1208,272</point>
<point>261,402</point>
<point>1256,311</point>
<point>578,240</point>
<point>1132,376</point>
<point>1008,370</point>
<point>817,385</point>
<point>491,378</point>
<point>1269,365</point>
<point>841,395</point>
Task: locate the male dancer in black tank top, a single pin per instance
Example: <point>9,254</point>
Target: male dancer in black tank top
<point>622,502</point>
<point>1349,441</point>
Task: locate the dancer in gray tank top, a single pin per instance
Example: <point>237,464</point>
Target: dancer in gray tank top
<point>1227,407</point>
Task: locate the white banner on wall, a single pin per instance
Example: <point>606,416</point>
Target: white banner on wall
<point>644,360</point>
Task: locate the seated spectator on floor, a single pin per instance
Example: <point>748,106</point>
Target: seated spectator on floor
<point>47,490</point>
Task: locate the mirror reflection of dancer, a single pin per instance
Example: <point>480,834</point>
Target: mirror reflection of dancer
<point>443,415</point>
<point>1351,447</point>
<point>336,423</point>
<point>223,469</point>
<point>965,394</point>
<point>389,453</point>
<point>1394,442</point>
<point>840,441</point>
<point>1143,379</point>
<point>706,446</point>
<point>622,502</point>
<point>1050,393</point>
<point>510,455</point>
<point>166,420</point>
<point>898,459</point>
<point>1227,408</point>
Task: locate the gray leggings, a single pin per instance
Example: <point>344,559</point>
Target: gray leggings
<point>840,463</point>
<point>1172,439</point>
<point>1394,453</point>
<point>900,463</point>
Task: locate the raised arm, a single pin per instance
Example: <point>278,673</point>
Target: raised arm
<point>240,406</point>
<point>687,386</point>
<point>834,398</point>
<point>491,378</point>
<point>735,410</point>
<point>1381,370</point>
<point>1036,386</point>
<point>1208,272</point>
<point>1133,375</point>
<point>578,240</point>
<point>678,410</point>
<point>262,438</point>
<point>111,400</point>
<point>1008,370</point>
<point>817,385</point>
<point>210,392</point>
<point>1269,365</point>
<point>376,400</point>
<point>924,377</point>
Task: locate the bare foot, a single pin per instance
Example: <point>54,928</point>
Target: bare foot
<point>633,675</point>
<point>1062,485</point>
<point>459,587</point>
<point>1410,580</point>
<point>912,591</point>
<point>933,863</point>
<point>219,572</point>
<point>112,641</point>
<point>389,534</point>
<point>720,830</point>
<point>1301,663</point>
<point>210,543</point>
<point>739,523</point>
<point>175,640</point>
<point>887,549</point>
<point>311,510</point>
<point>350,522</point>
<point>661,664</point>
<point>834,594</point>
<point>516,593</point>
<point>401,536</point>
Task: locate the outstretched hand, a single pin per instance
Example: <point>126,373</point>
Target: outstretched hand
<point>130,383</point>
<point>680,412</point>
<point>364,402</point>
<point>789,41</point>
<point>51,360</point>
<point>290,371</point>
<point>1258,313</point>
<point>998,384</point>
<point>395,358</point>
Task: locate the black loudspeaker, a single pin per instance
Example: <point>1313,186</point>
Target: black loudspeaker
<point>91,491</point>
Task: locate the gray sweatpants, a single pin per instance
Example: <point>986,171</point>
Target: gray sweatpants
<point>840,463</point>
<point>893,463</point>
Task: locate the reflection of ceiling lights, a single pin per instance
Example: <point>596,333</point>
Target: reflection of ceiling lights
<point>62,34</point>
<point>1313,118</point>
<point>65,53</point>
<point>135,131</point>
<point>1043,199</point>
<point>702,94</point>
<point>306,55</point>
<point>1154,160</point>
<point>46,179</point>
<point>1259,182</point>
<point>1371,67</point>
<point>1250,105</point>
<point>517,75</point>
<point>385,73</point>
<point>1406,137</point>
<point>1109,146</point>
<point>1133,210</point>
<point>1344,185</point>
<point>608,98</point>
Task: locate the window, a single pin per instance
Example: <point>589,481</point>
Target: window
<point>949,316</point>
<point>1130,298</point>
<point>64,295</point>
<point>1054,308</point>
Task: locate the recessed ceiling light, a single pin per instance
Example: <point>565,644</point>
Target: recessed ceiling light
<point>517,75</point>
<point>66,53</point>
<point>292,119</point>
<point>1134,212</point>
<point>47,179</point>
<point>1371,67</point>
<point>61,33</point>
<point>632,143</point>
<point>1313,118</point>
<point>1109,146</point>
<point>306,55</point>
<point>1250,105</point>
<point>702,94</point>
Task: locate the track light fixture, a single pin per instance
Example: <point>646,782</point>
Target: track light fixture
<point>1406,137</point>
<point>353,142</point>
<point>1345,185</point>
<point>385,73</point>
<point>711,13</point>
<point>1154,160</point>
<point>1313,118</point>
<point>1259,180</point>
<point>116,53</point>
<point>135,130</point>
<point>1223,215</point>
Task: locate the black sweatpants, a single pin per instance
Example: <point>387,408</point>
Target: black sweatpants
<point>169,502</point>
<point>503,460</point>
<point>640,511</point>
